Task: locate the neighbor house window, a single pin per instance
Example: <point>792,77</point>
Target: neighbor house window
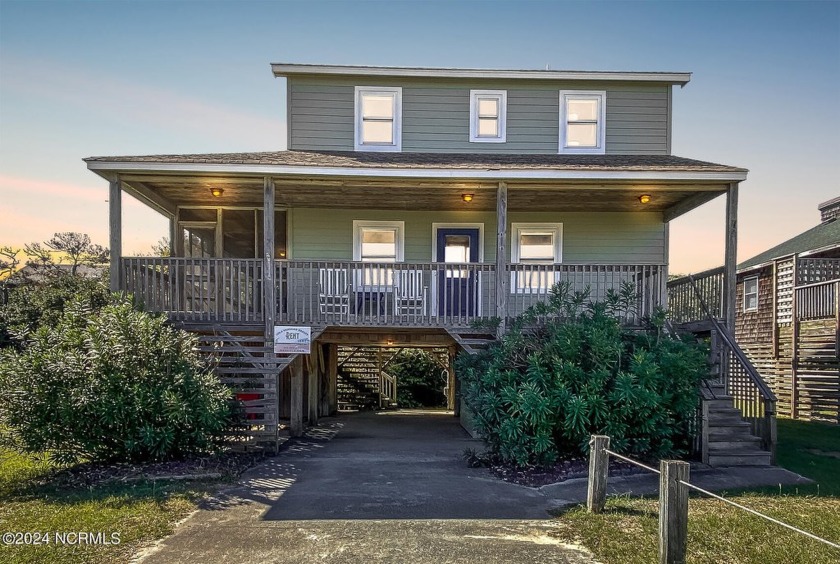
<point>378,118</point>
<point>488,111</point>
<point>537,247</point>
<point>377,242</point>
<point>582,117</point>
<point>751,293</point>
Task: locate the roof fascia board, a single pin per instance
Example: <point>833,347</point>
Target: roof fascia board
<point>283,69</point>
<point>454,173</point>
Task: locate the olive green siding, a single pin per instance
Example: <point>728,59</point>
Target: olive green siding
<point>436,112</point>
<point>588,237</point>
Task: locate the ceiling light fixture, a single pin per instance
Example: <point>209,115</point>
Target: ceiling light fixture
<point>644,198</point>
<point>467,197</point>
<point>217,191</point>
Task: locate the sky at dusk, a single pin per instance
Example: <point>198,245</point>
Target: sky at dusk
<point>116,78</point>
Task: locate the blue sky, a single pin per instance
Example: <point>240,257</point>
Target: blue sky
<point>92,78</point>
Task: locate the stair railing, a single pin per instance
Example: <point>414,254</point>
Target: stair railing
<point>387,387</point>
<point>751,394</point>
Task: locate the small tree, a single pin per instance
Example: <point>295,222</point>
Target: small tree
<point>162,248</point>
<point>9,262</point>
<point>66,248</point>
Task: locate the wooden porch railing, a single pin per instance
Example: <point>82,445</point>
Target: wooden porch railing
<point>353,293</point>
<point>818,301</point>
<point>686,298</point>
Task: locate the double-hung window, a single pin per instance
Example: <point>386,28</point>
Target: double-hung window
<point>488,113</point>
<point>582,121</point>
<point>537,248</point>
<point>377,242</point>
<point>751,293</point>
<point>378,118</point>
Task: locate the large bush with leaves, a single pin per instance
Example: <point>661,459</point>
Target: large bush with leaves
<point>420,380</point>
<point>112,384</point>
<point>540,393</point>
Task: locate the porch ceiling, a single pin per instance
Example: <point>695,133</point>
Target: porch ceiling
<point>169,191</point>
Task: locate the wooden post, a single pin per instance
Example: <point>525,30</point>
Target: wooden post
<point>115,229</point>
<point>296,407</point>
<point>312,390</point>
<point>501,257</point>
<point>673,511</point>
<point>663,281</point>
<point>775,325</point>
<point>794,345</point>
<point>730,257</point>
<point>599,470</point>
<point>269,302</point>
<point>332,371</point>
<point>454,386</point>
<point>173,235</point>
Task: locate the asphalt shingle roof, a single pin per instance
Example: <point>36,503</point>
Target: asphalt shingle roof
<point>353,159</point>
<point>824,235</point>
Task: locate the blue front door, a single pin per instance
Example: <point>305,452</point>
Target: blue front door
<point>457,286</point>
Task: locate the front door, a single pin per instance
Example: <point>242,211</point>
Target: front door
<point>457,284</point>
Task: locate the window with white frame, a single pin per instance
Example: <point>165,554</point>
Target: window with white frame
<point>535,248</point>
<point>582,121</point>
<point>378,117</point>
<point>377,242</point>
<point>488,112</point>
<point>751,293</point>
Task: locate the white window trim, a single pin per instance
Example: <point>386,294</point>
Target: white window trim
<point>358,225</point>
<point>397,124</point>
<point>744,297</point>
<point>602,122</point>
<point>516,229</point>
<point>501,96</point>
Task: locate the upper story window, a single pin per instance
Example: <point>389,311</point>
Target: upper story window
<point>582,119</point>
<point>378,241</point>
<point>378,118</point>
<point>488,112</point>
<point>751,293</point>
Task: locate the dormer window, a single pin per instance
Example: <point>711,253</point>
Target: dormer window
<point>378,118</point>
<point>582,116</point>
<point>488,110</point>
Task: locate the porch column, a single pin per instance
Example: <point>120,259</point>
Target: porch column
<point>269,302</point>
<point>501,257</point>
<point>730,256</point>
<point>115,230</point>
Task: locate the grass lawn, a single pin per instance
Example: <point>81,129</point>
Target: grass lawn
<point>626,532</point>
<point>141,512</point>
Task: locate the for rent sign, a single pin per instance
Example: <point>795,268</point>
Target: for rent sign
<point>292,340</point>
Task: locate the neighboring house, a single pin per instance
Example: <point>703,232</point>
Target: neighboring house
<point>410,204</point>
<point>788,318</point>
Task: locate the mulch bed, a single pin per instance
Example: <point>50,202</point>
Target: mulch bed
<point>536,476</point>
<point>223,466</point>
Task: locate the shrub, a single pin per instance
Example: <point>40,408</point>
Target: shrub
<point>419,379</point>
<point>539,395</point>
<point>42,304</point>
<point>110,385</point>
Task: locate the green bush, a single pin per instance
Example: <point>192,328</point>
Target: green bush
<point>34,305</point>
<point>419,379</point>
<point>539,394</point>
<point>110,385</point>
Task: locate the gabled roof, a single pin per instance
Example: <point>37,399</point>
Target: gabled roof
<point>448,164</point>
<point>291,69</point>
<point>823,237</point>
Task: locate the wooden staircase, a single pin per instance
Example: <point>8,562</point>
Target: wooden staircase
<point>363,382</point>
<point>728,439</point>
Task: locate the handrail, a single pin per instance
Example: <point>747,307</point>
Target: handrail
<point>814,284</point>
<point>703,274</point>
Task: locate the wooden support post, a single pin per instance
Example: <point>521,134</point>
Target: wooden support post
<point>663,280</point>
<point>312,390</point>
<point>332,371</point>
<point>794,345</point>
<point>115,229</point>
<point>730,257</point>
<point>501,257</point>
<point>269,301</point>
<point>379,373</point>
<point>454,386</point>
<point>599,470</point>
<point>173,235</point>
<point>296,407</point>
<point>775,325</point>
<point>673,511</point>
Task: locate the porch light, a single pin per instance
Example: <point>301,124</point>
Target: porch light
<point>217,191</point>
<point>644,198</point>
<point>467,197</point>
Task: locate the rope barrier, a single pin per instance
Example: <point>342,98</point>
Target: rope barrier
<point>754,512</point>
<point>631,461</point>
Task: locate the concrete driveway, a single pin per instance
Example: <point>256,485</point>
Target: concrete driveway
<point>376,487</point>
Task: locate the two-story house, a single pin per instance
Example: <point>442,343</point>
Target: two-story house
<point>410,203</point>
